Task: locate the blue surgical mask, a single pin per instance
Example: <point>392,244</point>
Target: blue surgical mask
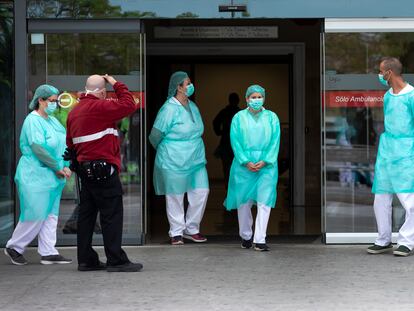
<point>51,107</point>
<point>190,90</point>
<point>382,80</point>
<point>256,103</point>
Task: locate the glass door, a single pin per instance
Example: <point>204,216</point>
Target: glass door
<point>353,121</point>
<point>65,60</point>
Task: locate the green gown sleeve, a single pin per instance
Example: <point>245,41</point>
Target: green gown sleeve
<point>155,137</point>
<point>36,140</point>
<point>162,125</point>
<point>236,139</point>
<point>44,156</point>
<point>272,151</point>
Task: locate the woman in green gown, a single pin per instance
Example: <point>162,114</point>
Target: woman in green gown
<point>40,178</point>
<point>255,138</point>
<point>180,162</point>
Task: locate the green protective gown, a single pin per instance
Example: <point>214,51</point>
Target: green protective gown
<point>180,162</point>
<point>42,143</point>
<point>394,167</point>
<point>253,139</point>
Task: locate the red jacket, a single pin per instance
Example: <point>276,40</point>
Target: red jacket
<point>91,126</point>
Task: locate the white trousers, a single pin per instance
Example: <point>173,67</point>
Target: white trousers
<point>26,231</point>
<point>383,215</point>
<point>244,213</point>
<point>190,223</point>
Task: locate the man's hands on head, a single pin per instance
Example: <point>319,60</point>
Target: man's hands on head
<point>109,79</point>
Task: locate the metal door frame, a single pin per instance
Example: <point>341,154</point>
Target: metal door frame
<point>353,25</point>
<point>23,28</point>
<point>297,49</point>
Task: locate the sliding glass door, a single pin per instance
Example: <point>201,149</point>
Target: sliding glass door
<point>65,60</point>
<point>353,121</point>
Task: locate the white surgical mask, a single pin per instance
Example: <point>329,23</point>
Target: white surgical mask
<point>382,80</point>
<point>256,103</point>
<point>91,91</point>
<point>97,90</point>
<point>51,107</point>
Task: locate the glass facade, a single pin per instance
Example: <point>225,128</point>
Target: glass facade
<point>6,122</point>
<point>130,9</point>
<point>349,126</point>
<point>353,123</point>
<point>65,61</point>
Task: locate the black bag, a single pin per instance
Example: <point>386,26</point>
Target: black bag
<point>98,170</point>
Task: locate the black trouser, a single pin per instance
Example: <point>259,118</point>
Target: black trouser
<point>105,197</point>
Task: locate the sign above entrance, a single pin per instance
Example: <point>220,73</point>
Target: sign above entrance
<point>232,8</point>
<point>216,32</point>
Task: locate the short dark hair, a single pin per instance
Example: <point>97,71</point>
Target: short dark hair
<point>393,64</point>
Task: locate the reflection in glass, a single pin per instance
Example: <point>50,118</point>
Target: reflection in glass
<point>66,60</point>
<point>6,122</point>
<point>139,9</point>
<point>353,123</point>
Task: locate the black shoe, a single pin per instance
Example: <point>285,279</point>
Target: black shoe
<point>402,251</point>
<point>126,267</point>
<point>15,257</point>
<point>261,247</point>
<point>246,244</point>
<point>378,249</point>
<point>85,267</point>
<point>54,259</point>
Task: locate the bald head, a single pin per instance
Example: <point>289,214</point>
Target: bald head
<point>95,82</point>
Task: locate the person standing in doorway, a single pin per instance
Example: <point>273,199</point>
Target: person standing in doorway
<point>40,177</point>
<point>180,162</point>
<point>394,167</point>
<point>255,139</point>
<point>221,126</point>
<point>92,134</point>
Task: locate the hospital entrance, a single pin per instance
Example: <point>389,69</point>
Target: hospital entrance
<point>219,69</point>
<point>310,68</point>
<point>222,57</point>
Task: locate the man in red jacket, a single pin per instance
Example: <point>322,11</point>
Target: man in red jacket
<point>92,133</point>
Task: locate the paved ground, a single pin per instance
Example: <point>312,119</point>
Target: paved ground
<point>218,277</point>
